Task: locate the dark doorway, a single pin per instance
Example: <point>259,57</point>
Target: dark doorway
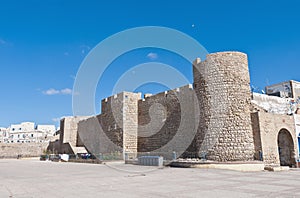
<point>286,148</point>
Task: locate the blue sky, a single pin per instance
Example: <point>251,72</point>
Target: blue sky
<point>42,44</point>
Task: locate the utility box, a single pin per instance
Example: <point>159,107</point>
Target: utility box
<point>151,160</point>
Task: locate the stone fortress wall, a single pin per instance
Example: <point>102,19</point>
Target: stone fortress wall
<point>212,119</point>
<point>69,140</point>
<point>14,150</point>
<point>167,121</point>
<point>129,124</point>
<point>222,84</point>
<point>267,126</point>
<point>116,129</point>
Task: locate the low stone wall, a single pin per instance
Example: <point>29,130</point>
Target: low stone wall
<point>13,150</point>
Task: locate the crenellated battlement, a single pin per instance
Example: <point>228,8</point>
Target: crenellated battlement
<point>180,90</point>
<point>209,119</point>
<point>121,96</point>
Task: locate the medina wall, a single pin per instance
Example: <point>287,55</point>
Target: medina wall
<point>115,130</point>
<point>267,127</point>
<point>167,122</point>
<point>12,150</point>
<point>69,140</point>
<point>159,124</point>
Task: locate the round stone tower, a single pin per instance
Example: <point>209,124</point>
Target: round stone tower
<point>222,85</point>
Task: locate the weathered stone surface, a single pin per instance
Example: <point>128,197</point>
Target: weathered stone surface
<point>267,127</point>
<point>115,130</point>
<point>168,122</point>
<point>222,86</point>
<point>12,150</point>
<point>69,138</point>
<point>213,119</point>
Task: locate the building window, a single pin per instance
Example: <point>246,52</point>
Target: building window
<point>31,135</point>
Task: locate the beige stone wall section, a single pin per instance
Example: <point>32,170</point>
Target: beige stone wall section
<point>168,122</point>
<point>69,130</point>
<point>130,122</point>
<point>269,127</point>
<point>222,84</point>
<point>12,150</point>
<point>116,129</point>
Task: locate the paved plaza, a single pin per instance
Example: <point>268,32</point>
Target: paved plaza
<point>34,178</point>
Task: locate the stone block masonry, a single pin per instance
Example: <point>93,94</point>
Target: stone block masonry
<point>116,129</point>
<point>130,123</point>
<point>222,85</point>
<point>69,137</point>
<point>267,127</point>
<point>211,119</point>
<point>12,150</point>
<point>167,121</point>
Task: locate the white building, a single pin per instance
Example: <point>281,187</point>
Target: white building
<point>3,134</point>
<point>24,126</point>
<point>49,129</point>
<point>26,132</point>
<point>27,137</point>
<point>288,89</point>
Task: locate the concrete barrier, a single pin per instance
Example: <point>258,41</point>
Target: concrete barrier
<point>151,160</point>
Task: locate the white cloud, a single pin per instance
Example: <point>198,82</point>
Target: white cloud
<point>66,91</point>
<point>152,56</point>
<point>56,119</point>
<point>52,91</point>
